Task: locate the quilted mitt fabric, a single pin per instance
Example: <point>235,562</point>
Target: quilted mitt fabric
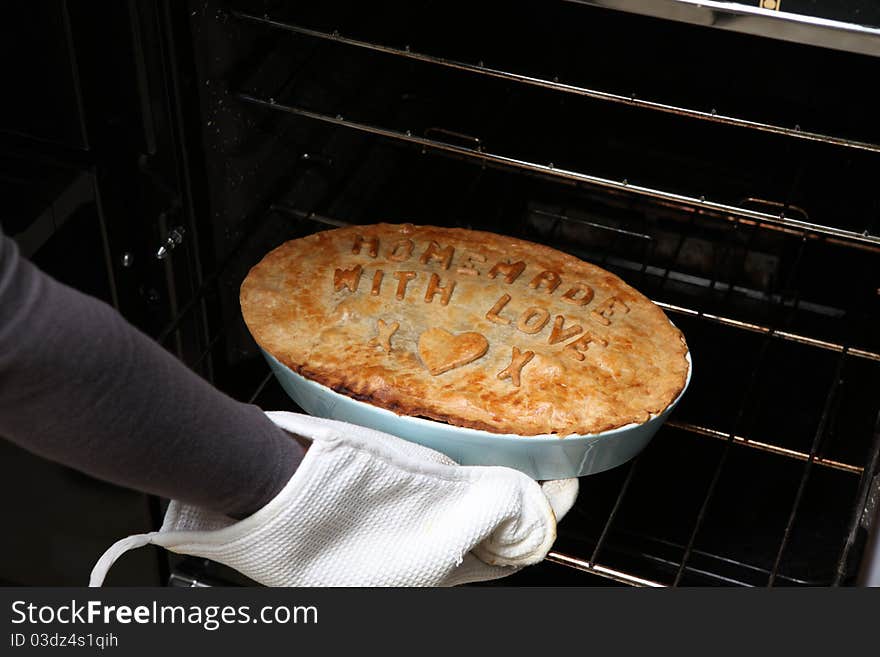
<point>369,509</point>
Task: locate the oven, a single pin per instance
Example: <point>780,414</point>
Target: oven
<point>721,158</point>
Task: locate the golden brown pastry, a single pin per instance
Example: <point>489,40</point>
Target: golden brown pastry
<point>466,327</point>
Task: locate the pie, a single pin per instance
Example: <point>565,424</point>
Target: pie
<point>465,327</point>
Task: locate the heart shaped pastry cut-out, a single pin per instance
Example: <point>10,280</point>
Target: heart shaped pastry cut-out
<point>442,351</point>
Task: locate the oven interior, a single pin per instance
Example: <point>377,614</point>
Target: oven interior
<point>731,178</point>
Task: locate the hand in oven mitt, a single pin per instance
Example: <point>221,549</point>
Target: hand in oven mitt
<point>365,508</point>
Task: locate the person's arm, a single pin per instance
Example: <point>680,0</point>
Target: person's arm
<point>81,386</point>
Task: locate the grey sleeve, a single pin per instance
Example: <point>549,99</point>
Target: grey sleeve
<point>81,386</point>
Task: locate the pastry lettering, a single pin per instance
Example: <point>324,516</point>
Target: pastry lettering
<point>469,267</point>
<point>579,347</point>
<point>585,292</point>
<point>607,309</point>
<point>347,278</point>
<point>383,334</point>
<point>372,242</point>
<point>518,361</point>
<point>403,277</point>
<point>401,250</point>
<point>560,334</point>
<point>434,252</point>
<point>493,315</point>
<point>510,271</point>
<point>377,282</point>
<point>548,278</point>
<point>532,320</point>
<point>434,287</point>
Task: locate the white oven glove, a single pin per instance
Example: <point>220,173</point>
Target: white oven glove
<point>365,508</point>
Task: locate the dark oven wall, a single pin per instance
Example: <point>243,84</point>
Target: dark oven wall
<point>93,183</point>
<point>728,177</point>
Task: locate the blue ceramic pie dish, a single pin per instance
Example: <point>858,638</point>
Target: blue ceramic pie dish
<point>540,457</point>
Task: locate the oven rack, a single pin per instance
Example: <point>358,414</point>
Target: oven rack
<point>554,84</point>
<point>484,157</point>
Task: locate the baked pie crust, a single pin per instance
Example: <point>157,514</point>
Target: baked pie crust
<point>470,328</point>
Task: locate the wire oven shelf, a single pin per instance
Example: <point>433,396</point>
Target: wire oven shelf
<point>486,157</point>
<point>632,100</point>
